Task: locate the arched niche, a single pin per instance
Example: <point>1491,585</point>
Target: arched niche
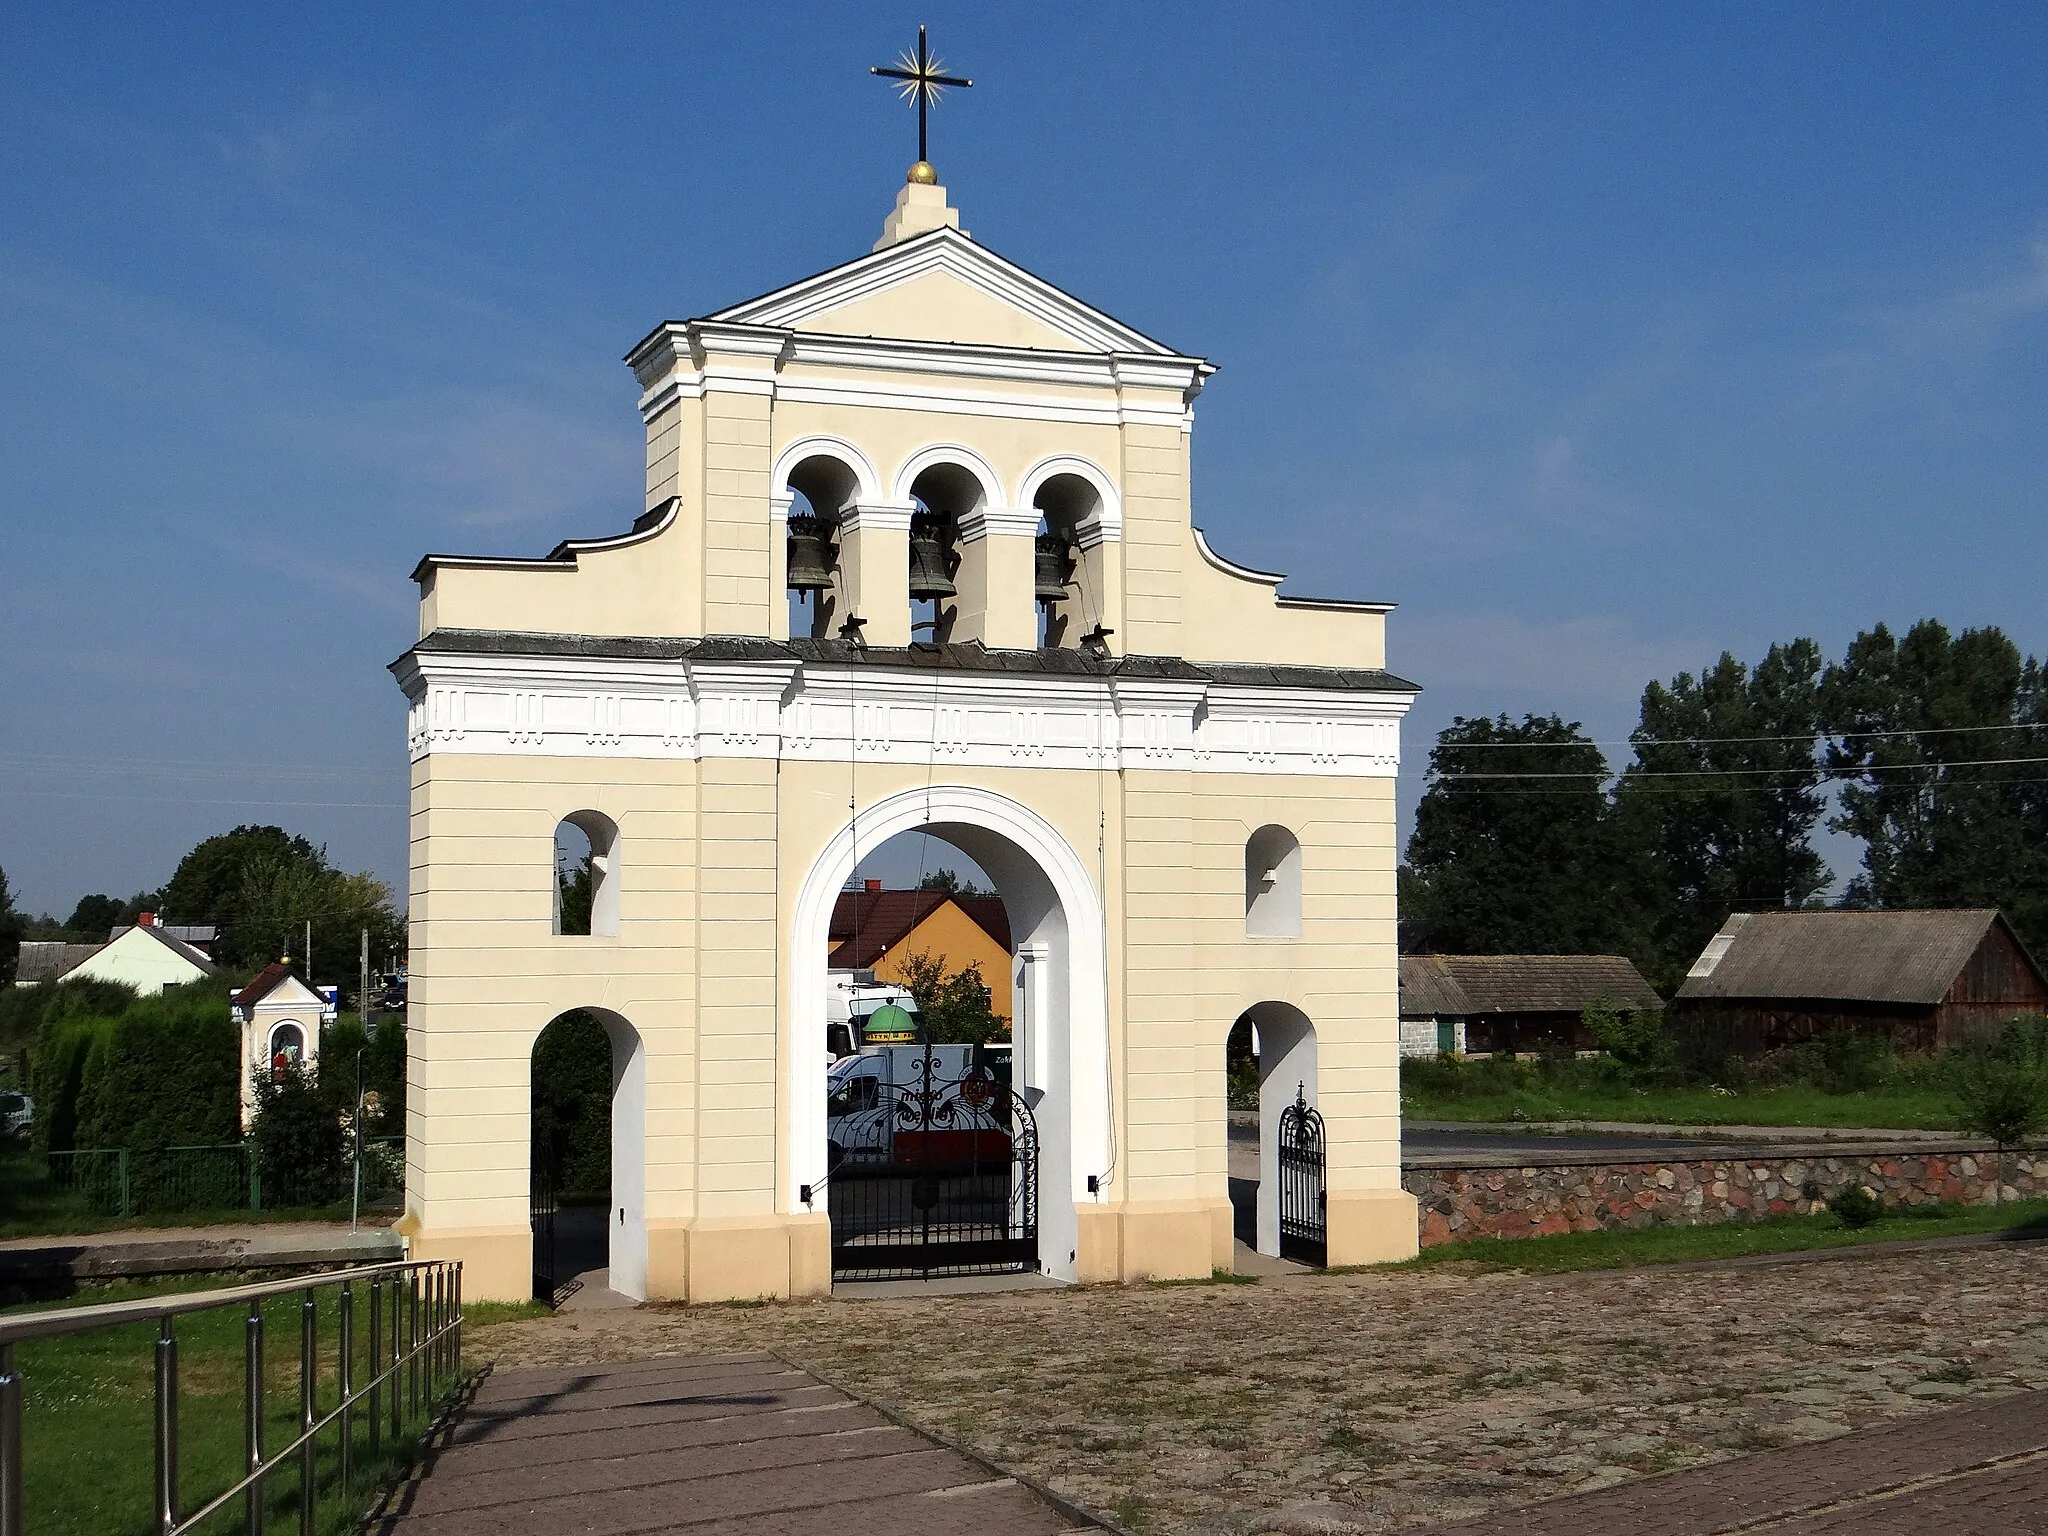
<point>1272,884</point>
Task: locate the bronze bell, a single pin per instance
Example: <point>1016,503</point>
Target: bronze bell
<point>929,577</point>
<point>1052,568</point>
<point>810,554</point>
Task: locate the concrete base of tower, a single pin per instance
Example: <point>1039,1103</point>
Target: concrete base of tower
<point>1152,1240</point>
<point>497,1262</point>
<point>1371,1226</point>
<point>740,1258</point>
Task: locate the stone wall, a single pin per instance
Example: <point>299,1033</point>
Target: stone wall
<point>1538,1198</point>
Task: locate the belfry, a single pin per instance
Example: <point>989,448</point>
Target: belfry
<point>1010,635</point>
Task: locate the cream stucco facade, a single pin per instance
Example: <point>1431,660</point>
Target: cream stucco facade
<point>648,685</point>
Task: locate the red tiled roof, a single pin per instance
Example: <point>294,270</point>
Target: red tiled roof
<point>868,924</point>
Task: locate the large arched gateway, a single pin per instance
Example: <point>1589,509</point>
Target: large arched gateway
<point>917,556</point>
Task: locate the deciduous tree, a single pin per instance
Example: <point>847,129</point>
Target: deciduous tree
<point>1516,848</point>
<point>1723,798</point>
<point>1940,739</point>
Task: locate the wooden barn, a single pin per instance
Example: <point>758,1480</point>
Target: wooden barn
<point>1481,1004</point>
<point>1923,980</point>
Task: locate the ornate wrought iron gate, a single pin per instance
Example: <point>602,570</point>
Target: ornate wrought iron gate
<point>936,1176</point>
<point>1304,1203</point>
<point>541,1215</point>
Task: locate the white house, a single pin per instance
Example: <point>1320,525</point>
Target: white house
<point>147,957</point>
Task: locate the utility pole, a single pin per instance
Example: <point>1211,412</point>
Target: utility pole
<point>363,997</point>
<point>309,952</point>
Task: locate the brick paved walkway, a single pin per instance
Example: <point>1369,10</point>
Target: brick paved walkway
<point>1977,1471</point>
<point>708,1444</point>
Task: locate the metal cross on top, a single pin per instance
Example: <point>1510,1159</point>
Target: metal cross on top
<point>919,79</point>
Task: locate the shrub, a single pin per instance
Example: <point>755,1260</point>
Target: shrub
<point>298,1138</point>
<point>164,1073</point>
<point>2003,1094</point>
<point>1856,1205</point>
<point>1634,1037</point>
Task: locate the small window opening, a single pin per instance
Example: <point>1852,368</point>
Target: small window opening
<point>586,875</point>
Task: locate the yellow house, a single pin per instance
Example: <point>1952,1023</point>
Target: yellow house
<point>878,930</point>
<point>1013,638</point>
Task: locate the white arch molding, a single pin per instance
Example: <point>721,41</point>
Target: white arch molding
<point>823,445</point>
<point>1109,517</point>
<point>957,454</point>
<point>1056,919</point>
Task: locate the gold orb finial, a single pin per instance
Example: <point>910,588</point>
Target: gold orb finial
<point>922,175</point>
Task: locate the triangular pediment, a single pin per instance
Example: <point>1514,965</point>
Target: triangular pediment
<point>943,287</point>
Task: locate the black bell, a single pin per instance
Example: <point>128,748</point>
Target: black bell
<point>1052,568</point>
<point>810,554</point>
<point>929,577</point>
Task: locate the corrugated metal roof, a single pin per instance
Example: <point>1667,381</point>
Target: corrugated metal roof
<point>1476,984</point>
<point>1873,957</point>
<point>46,960</point>
<point>1427,991</point>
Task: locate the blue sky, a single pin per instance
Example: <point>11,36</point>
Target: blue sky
<point>1601,338</point>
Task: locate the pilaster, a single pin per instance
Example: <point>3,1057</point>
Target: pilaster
<point>995,605</point>
<point>874,569</point>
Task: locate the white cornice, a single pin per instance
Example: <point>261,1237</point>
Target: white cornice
<point>784,710</point>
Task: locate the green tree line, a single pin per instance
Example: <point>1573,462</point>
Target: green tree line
<point>1934,745</point>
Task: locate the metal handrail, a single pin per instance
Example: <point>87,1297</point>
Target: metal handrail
<point>428,1351</point>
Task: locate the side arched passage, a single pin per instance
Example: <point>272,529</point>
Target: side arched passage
<point>587,1153</point>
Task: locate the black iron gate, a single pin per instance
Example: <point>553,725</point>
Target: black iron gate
<point>541,1215</point>
<point>1304,1203</point>
<point>937,1176</point>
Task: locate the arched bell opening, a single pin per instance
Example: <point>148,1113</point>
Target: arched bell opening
<point>1065,584</point>
<point>943,495</point>
<point>821,490</point>
<point>587,1155</point>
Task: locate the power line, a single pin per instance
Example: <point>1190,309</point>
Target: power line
<point>1818,770</point>
<point>1716,741</point>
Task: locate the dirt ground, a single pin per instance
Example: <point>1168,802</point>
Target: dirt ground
<point>1383,1401</point>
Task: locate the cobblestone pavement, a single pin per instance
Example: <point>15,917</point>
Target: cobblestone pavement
<point>1328,1404</point>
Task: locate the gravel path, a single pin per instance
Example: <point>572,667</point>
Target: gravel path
<point>1391,1399</point>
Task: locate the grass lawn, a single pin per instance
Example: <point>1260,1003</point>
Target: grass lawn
<point>1729,1240</point>
<point>1910,1108</point>
<point>87,1413</point>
